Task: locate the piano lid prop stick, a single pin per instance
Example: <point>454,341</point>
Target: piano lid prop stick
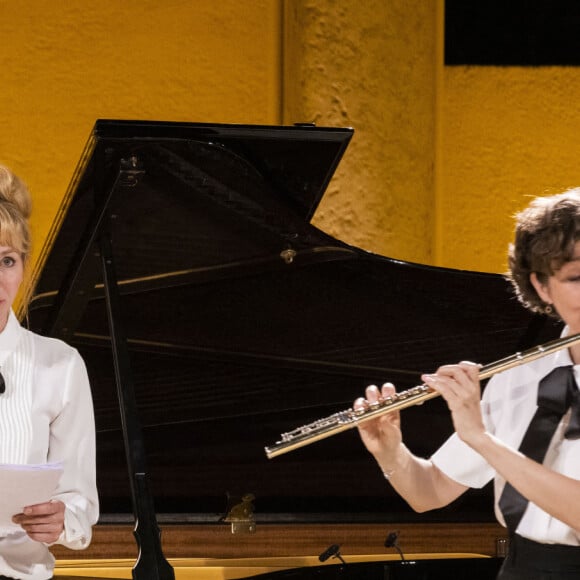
<point>348,419</point>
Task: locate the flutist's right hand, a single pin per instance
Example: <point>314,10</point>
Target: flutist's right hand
<point>417,480</point>
<point>381,436</point>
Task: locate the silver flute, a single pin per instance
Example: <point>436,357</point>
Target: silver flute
<point>349,418</point>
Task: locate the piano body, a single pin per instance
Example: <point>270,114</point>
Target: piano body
<point>213,317</point>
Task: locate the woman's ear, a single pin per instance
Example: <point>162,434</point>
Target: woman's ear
<point>541,288</point>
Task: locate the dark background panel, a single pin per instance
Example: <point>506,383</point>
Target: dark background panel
<point>512,32</point>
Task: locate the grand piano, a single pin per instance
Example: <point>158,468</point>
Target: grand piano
<point>213,317</point>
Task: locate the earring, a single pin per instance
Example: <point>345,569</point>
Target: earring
<point>548,309</point>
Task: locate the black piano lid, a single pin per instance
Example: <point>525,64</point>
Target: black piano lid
<point>245,321</point>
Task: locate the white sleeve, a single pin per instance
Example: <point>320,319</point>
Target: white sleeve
<point>72,442</point>
<point>462,464</point>
<point>459,461</point>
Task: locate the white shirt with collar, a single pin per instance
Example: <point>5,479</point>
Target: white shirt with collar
<point>508,405</point>
<point>46,415</point>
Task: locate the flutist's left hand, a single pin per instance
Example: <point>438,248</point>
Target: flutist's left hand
<point>459,386</point>
<point>43,522</point>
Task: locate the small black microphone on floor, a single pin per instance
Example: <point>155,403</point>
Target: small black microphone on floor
<point>331,552</point>
<point>392,542</point>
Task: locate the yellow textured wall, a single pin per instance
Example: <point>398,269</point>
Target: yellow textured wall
<point>65,64</point>
<point>441,158</point>
<point>370,65</point>
<point>507,134</point>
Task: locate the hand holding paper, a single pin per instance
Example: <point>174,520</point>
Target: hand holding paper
<point>25,485</point>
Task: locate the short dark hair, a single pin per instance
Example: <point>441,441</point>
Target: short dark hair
<point>545,235</point>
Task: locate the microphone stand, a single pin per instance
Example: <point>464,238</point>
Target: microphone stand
<point>392,542</point>
<point>332,551</point>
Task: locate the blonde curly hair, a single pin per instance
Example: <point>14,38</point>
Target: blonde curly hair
<point>15,208</point>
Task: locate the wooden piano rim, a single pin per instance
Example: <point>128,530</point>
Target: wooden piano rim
<point>216,541</point>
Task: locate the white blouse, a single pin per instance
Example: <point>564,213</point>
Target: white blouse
<point>46,416</point>
<point>508,405</point>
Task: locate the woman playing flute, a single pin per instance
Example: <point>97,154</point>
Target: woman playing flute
<point>524,433</point>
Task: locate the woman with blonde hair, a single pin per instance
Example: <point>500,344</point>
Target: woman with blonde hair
<point>46,413</point>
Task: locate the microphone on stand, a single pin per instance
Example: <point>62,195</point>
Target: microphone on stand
<point>331,552</point>
<point>392,542</point>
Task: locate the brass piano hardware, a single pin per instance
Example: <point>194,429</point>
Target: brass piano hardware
<point>241,516</point>
<point>348,419</point>
<point>288,255</point>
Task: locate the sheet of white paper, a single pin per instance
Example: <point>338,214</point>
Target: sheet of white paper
<point>24,485</point>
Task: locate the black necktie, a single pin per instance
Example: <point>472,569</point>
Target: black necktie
<point>557,392</point>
